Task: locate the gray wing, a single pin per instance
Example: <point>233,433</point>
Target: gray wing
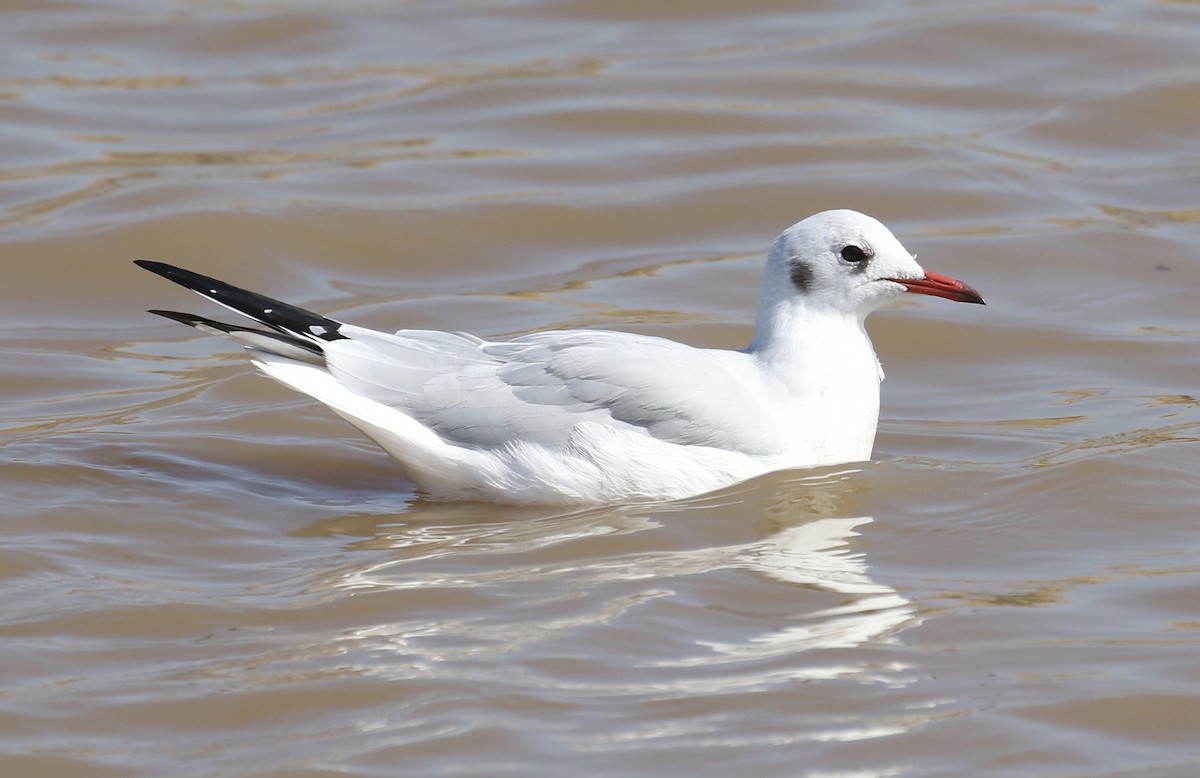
<point>538,387</point>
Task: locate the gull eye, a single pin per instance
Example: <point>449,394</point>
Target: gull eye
<point>854,254</point>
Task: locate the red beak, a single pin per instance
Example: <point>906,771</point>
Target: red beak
<point>941,286</point>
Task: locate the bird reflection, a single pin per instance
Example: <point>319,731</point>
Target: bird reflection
<point>521,583</point>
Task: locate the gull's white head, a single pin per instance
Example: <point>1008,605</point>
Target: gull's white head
<point>848,263</point>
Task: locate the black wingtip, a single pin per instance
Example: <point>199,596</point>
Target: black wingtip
<point>176,274</point>
<point>202,284</point>
<point>189,319</point>
<point>265,340</point>
<point>280,316</point>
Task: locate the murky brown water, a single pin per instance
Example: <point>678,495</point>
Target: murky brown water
<point>207,575</point>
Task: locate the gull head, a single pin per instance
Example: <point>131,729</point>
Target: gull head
<point>845,262</point>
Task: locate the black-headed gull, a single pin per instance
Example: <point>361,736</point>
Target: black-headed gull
<point>591,416</point>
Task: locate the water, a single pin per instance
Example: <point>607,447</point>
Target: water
<point>207,575</point>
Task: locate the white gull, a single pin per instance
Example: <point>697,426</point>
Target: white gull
<point>593,416</point>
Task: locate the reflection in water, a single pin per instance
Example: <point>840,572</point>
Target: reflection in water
<point>539,588</point>
<point>818,554</point>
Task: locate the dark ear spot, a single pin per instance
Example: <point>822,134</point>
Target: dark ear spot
<point>802,275</point>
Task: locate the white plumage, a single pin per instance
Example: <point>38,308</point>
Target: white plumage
<point>580,416</point>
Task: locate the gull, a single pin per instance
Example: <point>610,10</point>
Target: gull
<point>592,416</point>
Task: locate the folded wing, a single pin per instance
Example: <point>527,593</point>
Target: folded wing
<point>536,388</point>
